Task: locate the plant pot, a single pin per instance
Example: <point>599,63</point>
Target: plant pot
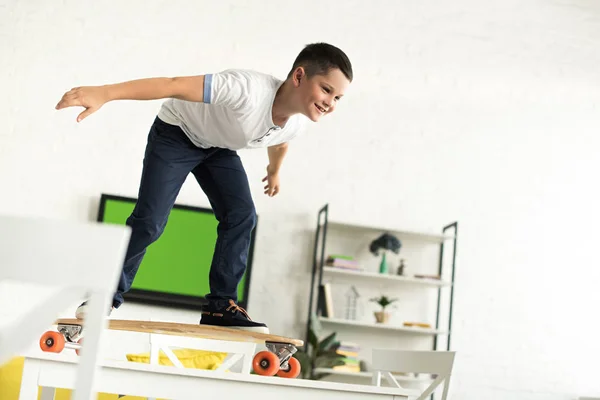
<point>382,317</point>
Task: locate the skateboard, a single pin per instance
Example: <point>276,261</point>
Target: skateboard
<point>277,360</point>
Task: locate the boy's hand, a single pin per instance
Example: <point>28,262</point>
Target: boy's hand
<point>90,97</point>
<point>272,186</point>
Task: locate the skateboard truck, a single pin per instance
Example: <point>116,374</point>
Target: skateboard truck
<point>70,332</point>
<point>284,352</point>
<point>277,360</point>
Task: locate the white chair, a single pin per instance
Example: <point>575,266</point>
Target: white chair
<point>82,260</point>
<point>386,361</point>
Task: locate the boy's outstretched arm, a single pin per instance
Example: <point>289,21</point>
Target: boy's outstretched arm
<point>276,154</point>
<point>190,88</point>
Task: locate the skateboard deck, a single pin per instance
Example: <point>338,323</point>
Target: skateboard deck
<point>277,360</point>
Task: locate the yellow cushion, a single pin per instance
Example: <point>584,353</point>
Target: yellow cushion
<point>12,371</point>
<point>10,384</point>
<point>200,359</point>
<point>10,378</point>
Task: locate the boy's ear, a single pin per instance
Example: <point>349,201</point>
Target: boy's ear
<point>298,76</point>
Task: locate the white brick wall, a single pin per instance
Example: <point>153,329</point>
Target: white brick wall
<point>481,112</point>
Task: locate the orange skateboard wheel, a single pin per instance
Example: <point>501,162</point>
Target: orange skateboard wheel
<point>52,342</point>
<point>293,369</point>
<point>77,351</point>
<point>265,363</point>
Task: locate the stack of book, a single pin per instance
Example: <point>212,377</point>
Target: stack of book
<point>342,262</point>
<point>350,352</point>
<point>325,301</point>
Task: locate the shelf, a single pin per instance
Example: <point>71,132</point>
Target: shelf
<point>407,235</point>
<point>333,271</point>
<point>405,329</point>
<point>344,236</point>
<point>367,374</point>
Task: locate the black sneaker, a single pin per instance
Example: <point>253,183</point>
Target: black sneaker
<point>231,316</point>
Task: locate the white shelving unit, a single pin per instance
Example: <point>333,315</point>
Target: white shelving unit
<point>362,276</point>
<point>402,234</point>
<point>403,329</point>
<point>374,334</point>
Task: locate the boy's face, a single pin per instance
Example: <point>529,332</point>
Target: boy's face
<point>320,94</point>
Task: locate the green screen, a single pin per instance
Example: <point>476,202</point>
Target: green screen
<point>179,261</point>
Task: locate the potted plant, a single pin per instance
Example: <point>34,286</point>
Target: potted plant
<point>383,244</point>
<point>318,354</point>
<point>382,316</point>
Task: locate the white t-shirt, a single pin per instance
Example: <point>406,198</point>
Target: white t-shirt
<point>236,112</point>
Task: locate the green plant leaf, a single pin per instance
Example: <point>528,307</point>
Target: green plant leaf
<point>383,301</point>
<point>305,363</point>
<point>327,353</point>
<point>303,358</point>
<point>312,339</point>
<point>325,343</point>
<point>328,361</point>
<point>339,361</point>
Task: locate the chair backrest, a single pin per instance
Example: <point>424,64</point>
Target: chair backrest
<point>61,253</point>
<point>387,361</point>
<point>434,362</point>
<point>75,259</point>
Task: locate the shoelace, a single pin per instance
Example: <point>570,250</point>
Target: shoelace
<point>235,307</point>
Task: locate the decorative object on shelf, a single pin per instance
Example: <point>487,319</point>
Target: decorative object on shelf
<point>382,316</point>
<point>417,324</point>
<point>363,365</point>
<point>401,268</point>
<point>421,276</point>
<point>383,244</point>
<point>319,354</point>
<point>351,298</point>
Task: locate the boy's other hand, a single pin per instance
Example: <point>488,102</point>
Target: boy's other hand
<point>272,186</point>
<point>90,97</point>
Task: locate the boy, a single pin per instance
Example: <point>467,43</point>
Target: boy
<point>205,120</point>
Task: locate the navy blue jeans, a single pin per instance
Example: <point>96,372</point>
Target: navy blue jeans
<point>169,158</point>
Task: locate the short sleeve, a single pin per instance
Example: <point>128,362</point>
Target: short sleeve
<point>228,88</point>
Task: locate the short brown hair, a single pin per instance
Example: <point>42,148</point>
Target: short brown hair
<point>320,58</point>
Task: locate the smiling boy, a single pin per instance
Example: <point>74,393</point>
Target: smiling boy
<point>204,121</point>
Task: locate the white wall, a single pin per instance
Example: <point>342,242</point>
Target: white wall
<point>481,112</point>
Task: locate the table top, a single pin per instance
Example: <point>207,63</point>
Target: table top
<point>223,375</point>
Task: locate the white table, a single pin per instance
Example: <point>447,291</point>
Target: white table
<point>52,371</point>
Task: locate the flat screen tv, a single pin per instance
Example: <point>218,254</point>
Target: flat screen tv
<point>174,271</point>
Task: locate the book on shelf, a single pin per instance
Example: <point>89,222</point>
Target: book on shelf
<point>341,256</point>
<point>347,368</point>
<point>325,301</point>
<point>349,352</point>
<point>342,262</point>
